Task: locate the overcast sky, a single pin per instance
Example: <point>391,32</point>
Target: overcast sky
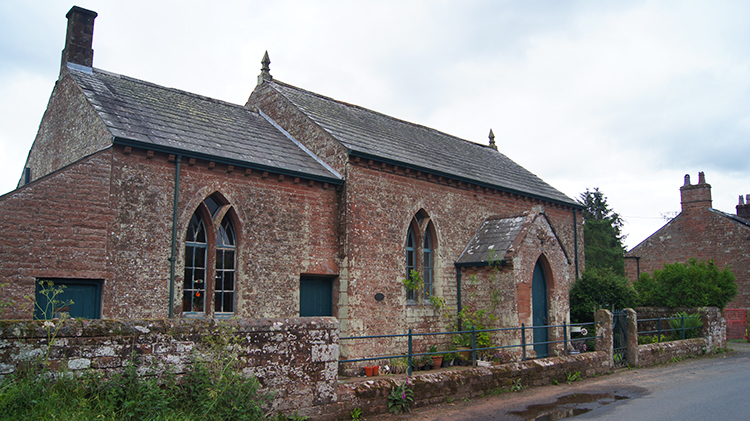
<point>625,96</point>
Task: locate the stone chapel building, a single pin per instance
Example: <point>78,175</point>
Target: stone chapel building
<point>151,202</point>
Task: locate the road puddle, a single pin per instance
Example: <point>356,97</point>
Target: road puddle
<point>567,406</point>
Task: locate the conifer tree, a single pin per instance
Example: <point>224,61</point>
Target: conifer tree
<point>602,233</point>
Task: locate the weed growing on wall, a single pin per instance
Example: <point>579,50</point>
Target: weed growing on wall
<point>401,398</point>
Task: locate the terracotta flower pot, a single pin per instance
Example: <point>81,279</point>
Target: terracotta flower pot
<point>437,361</point>
<point>376,370</point>
<point>368,371</point>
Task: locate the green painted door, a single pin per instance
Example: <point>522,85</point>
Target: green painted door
<point>315,296</point>
<point>78,298</point>
<point>539,310</point>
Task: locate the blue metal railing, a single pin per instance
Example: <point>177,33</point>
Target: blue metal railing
<point>659,331</point>
<point>473,348</point>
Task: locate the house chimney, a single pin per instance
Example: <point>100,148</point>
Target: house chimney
<point>743,209</point>
<point>79,38</point>
<point>698,196</point>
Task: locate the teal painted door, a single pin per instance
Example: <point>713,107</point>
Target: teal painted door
<point>315,296</point>
<point>539,310</point>
<point>77,298</point>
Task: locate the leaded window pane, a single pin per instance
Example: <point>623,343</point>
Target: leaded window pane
<point>427,259</point>
<point>225,264</point>
<point>410,261</point>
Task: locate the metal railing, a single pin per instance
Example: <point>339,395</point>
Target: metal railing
<point>473,348</point>
<point>659,331</point>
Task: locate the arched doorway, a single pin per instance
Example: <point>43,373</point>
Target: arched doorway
<point>539,311</point>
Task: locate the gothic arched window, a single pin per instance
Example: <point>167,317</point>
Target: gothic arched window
<point>210,253</point>
<point>420,255</point>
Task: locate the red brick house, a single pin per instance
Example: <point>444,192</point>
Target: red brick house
<point>146,200</point>
<point>702,232</point>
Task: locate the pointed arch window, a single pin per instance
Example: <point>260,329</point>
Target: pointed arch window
<point>420,255</point>
<point>210,253</point>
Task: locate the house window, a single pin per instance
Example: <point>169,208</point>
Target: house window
<point>420,251</point>
<point>210,253</point>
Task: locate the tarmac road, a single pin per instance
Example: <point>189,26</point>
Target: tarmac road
<point>706,388</point>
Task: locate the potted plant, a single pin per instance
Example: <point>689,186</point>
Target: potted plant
<point>437,359</point>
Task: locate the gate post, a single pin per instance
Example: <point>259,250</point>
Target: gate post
<point>604,322</point>
<point>632,352</point>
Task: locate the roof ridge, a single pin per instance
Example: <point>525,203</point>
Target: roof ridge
<point>167,88</point>
<point>733,217</point>
<point>422,126</point>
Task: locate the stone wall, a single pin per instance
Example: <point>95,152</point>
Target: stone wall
<point>108,218</point>
<point>432,388</point>
<point>296,358</point>
<point>69,131</point>
<point>713,336</point>
<point>55,227</point>
<point>382,200</point>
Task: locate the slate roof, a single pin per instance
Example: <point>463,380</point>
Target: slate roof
<point>167,119</point>
<point>496,235</point>
<point>735,218</point>
<point>373,135</point>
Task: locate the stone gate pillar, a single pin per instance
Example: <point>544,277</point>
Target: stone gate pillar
<point>632,345</point>
<point>604,321</point>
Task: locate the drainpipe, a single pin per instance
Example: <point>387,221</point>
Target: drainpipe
<point>172,258</point>
<point>458,293</point>
<point>575,238</point>
<point>637,265</point>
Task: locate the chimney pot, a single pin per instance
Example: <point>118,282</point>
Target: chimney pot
<point>695,197</point>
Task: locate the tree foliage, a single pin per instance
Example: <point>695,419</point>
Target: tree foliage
<point>602,233</point>
<point>599,288</point>
<point>693,284</point>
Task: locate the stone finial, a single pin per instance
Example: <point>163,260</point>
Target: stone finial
<point>492,140</point>
<point>265,70</point>
<point>687,180</point>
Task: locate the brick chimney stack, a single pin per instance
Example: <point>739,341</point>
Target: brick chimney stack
<point>743,209</point>
<point>79,38</point>
<point>695,197</point>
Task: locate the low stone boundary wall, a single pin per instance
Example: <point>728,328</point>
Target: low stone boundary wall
<point>660,353</point>
<point>713,336</point>
<point>430,388</point>
<point>297,358</point>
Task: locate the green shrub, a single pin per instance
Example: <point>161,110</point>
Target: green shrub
<point>694,284</point>
<point>36,393</point>
<point>693,325</point>
<point>599,288</point>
